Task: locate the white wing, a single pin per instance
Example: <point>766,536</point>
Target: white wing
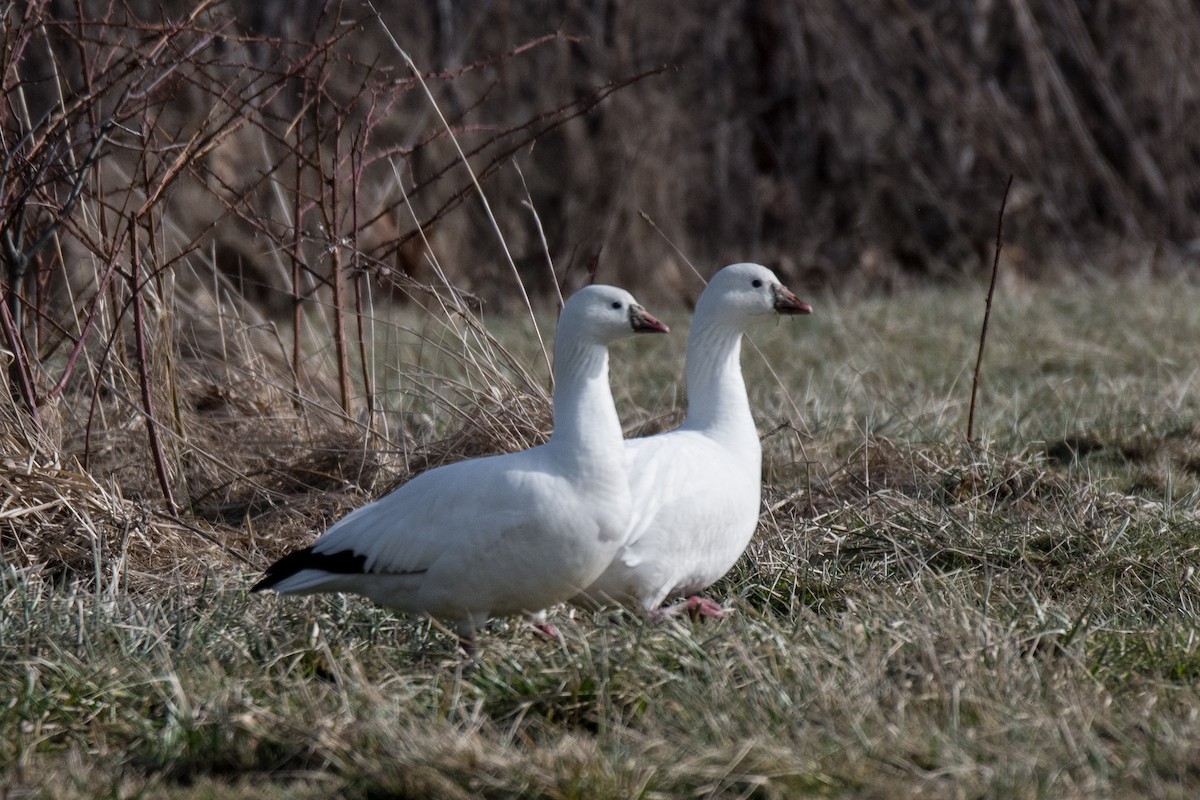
<point>695,507</point>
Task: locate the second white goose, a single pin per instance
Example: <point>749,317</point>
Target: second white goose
<point>696,490</point>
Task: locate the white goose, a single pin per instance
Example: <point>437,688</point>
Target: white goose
<point>504,534</point>
<point>696,489</point>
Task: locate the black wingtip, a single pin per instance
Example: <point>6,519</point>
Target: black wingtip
<point>265,582</point>
<point>343,562</point>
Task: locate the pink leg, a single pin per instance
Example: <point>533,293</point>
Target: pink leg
<point>466,634</point>
<point>548,630</point>
<point>699,608</point>
<point>696,607</point>
<point>540,623</point>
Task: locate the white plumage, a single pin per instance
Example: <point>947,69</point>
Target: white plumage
<point>505,534</point>
<point>696,490</point>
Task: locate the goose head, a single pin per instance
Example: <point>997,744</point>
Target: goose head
<point>607,313</point>
<point>740,293</point>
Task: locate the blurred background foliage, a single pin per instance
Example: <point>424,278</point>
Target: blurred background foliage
<point>849,145</point>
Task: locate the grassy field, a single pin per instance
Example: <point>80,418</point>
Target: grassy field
<point>915,618</point>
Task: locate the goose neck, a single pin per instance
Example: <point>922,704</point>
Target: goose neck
<point>717,401</point>
<point>585,417</point>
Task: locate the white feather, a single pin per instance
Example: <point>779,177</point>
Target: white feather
<point>504,534</point>
<point>696,490</point>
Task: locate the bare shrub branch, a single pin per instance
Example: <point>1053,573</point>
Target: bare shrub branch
<point>987,311</point>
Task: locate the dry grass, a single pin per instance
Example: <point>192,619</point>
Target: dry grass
<point>916,616</point>
<point>913,615</point>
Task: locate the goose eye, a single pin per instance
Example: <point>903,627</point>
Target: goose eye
<point>756,283</point>
<point>616,304</point>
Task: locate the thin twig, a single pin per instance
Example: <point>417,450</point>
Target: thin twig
<point>987,312</point>
<point>646,218</point>
<point>559,117</point>
<point>337,274</point>
<point>487,207</point>
<point>297,298</point>
<point>359,274</point>
<point>81,340</point>
<point>537,221</point>
<point>19,371</point>
<point>18,260</point>
<point>160,463</point>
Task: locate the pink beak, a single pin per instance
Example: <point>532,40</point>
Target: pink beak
<point>644,322</point>
<point>787,303</point>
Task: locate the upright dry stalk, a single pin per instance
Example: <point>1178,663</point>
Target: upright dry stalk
<point>462,156</point>
<point>19,372</point>
<point>359,275</point>
<point>297,295</point>
<point>139,336</point>
<point>987,312</point>
<point>93,309</point>
<point>337,275</point>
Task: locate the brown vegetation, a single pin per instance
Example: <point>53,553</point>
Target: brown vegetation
<point>194,175</point>
<point>207,211</point>
<point>851,144</point>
